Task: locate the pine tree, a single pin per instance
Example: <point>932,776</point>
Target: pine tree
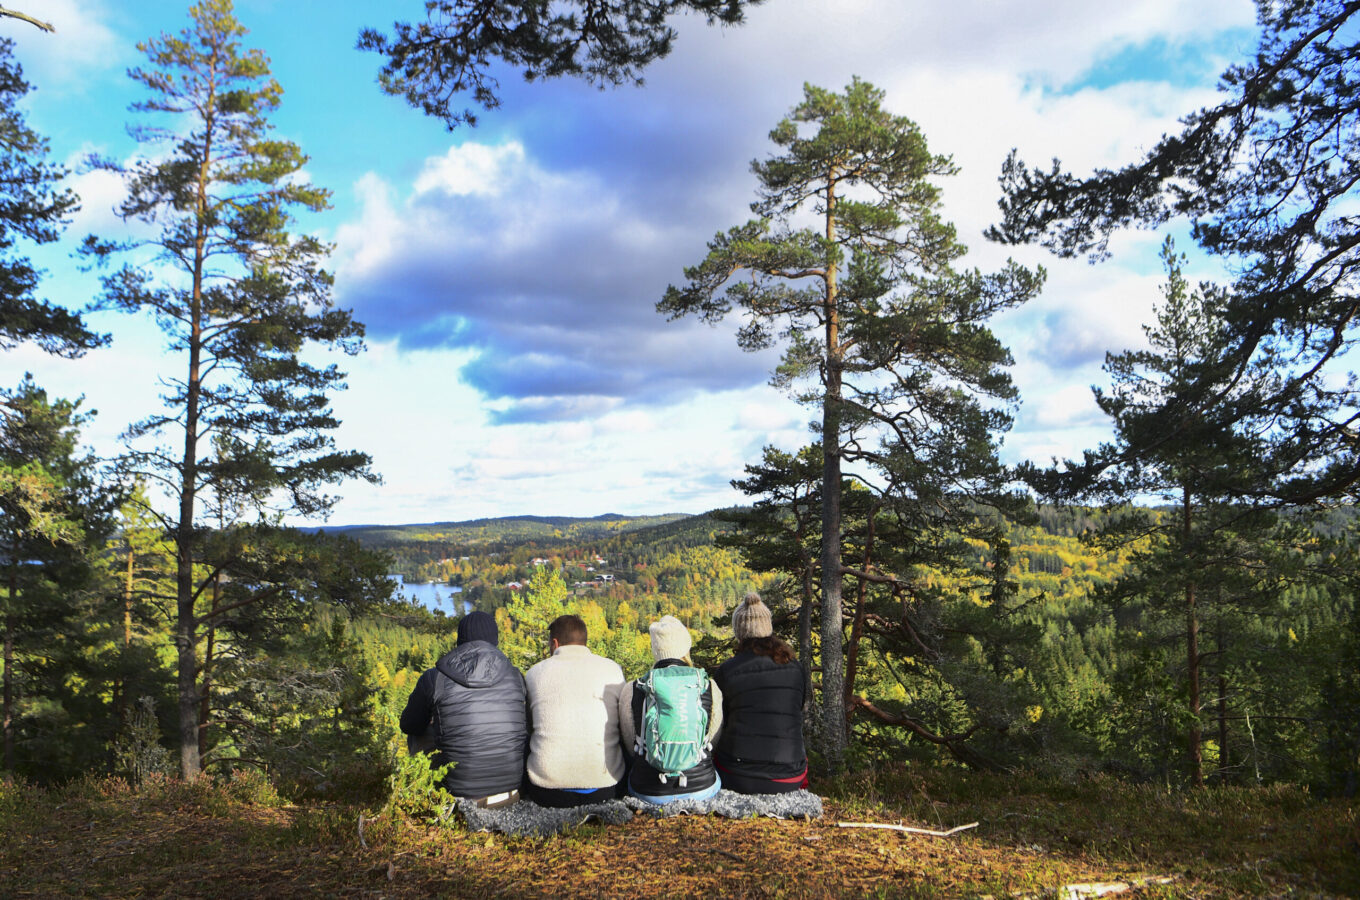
<point>34,208</point>
<point>54,516</point>
<point>605,42</point>
<point>887,337</point>
<point>1340,708</point>
<point>1266,179</point>
<point>524,621</point>
<point>142,567</point>
<point>780,532</point>
<point>1207,555</point>
<point>246,298</point>
<point>281,683</point>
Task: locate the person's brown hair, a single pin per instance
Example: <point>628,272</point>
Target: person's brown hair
<point>773,646</point>
<point>567,629</point>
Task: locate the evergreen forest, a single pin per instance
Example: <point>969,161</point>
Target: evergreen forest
<point>310,692</point>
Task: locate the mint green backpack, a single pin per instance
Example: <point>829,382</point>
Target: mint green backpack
<point>674,731</point>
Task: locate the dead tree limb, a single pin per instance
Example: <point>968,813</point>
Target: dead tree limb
<point>954,743</point>
<point>15,14</point>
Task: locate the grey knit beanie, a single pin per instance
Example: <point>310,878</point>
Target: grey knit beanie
<point>751,618</point>
<point>670,639</point>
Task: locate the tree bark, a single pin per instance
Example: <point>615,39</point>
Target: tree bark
<point>1195,737</point>
<point>205,705</point>
<point>127,604</point>
<point>1222,705</point>
<point>120,679</point>
<point>10,624</point>
<point>186,630</point>
<point>956,744</point>
<point>832,631</point>
<point>1223,725</point>
<point>857,624</point>
<point>805,631</point>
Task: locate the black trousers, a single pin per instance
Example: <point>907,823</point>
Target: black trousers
<point>558,798</point>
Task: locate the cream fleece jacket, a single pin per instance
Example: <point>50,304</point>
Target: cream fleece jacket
<point>573,700</point>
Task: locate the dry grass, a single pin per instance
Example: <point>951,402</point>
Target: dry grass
<point>98,838</point>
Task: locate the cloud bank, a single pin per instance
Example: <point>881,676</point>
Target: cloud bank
<point>551,276</point>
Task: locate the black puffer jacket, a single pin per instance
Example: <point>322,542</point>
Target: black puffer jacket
<point>475,697</point>
<point>762,733</point>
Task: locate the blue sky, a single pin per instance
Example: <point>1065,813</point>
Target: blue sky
<point>508,274</point>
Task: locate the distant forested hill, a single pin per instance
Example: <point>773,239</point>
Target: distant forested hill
<point>421,543</point>
<point>422,552</point>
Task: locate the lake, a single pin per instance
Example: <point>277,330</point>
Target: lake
<point>432,595</point>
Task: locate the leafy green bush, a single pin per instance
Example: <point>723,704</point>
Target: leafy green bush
<point>253,787</point>
<point>416,790</point>
<point>138,749</point>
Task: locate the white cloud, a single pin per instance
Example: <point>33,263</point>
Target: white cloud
<point>120,382</point>
<point>472,169</point>
<point>770,414</point>
<point>100,191</point>
<point>83,46</point>
<point>363,246</point>
<point>1070,406</point>
<point>551,276</point>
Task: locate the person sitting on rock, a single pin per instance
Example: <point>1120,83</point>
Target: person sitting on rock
<point>760,750</point>
<point>574,753</point>
<point>669,718</point>
<point>472,706</point>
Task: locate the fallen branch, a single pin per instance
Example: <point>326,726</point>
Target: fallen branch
<point>362,843</point>
<point>907,828</point>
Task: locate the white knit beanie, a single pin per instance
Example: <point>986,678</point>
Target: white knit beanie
<point>751,619</point>
<point>670,639</point>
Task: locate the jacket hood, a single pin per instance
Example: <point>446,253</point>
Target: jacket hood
<point>475,664</point>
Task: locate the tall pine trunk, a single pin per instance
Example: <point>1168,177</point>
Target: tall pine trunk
<point>1194,737</point>
<point>857,621</point>
<point>186,625</point>
<point>120,678</point>
<point>10,625</point>
<point>805,629</point>
<point>833,672</point>
<point>205,704</point>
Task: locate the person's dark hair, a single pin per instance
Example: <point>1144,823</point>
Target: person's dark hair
<point>567,630</point>
<point>773,646</point>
